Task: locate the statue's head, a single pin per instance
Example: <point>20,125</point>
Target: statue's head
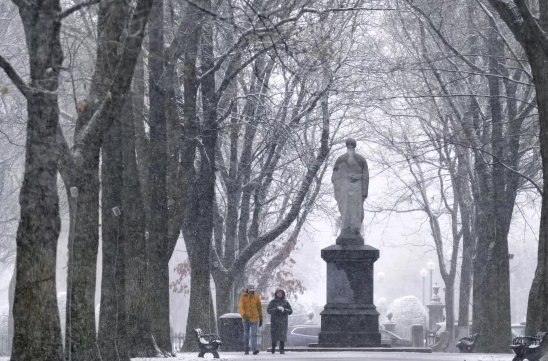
<point>351,143</point>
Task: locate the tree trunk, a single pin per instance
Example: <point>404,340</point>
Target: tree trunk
<point>81,327</point>
<point>523,25</point>
<point>198,316</point>
<point>158,220</point>
<point>500,328</point>
<point>224,297</point>
<point>112,335</point>
<point>138,301</point>
<point>37,331</point>
<point>537,310</point>
<point>159,293</point>
<point>492,318</point>
<point>465,280</point>
<point>203,189</point>
<point>468,241</point>
<point>450,307</point>
<point>142,151</point>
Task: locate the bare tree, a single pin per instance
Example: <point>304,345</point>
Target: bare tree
<point>37,332</point>
<point>530,32</point>
<point>120,34</point>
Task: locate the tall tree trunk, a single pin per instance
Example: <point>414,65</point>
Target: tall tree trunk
<point>468,240</point>
<point>492,319</point>
<point>524,27</point>
<point>37,331</point>
<point>465,199</point>
<point>450,307</point>
<point>537,306</point>
<point>465,275</point>
<point>501,320</point>
<point>142,150</point>
<point>136,202</point>
<point>81,325</point>
<point>158,220</point>
<point>112,335</point>
<point>138,301</point>
<point>201,225</point>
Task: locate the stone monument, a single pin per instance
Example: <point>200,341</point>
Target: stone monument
<point>350,319</point>
<point>390,325</point>
<point>435,310</point>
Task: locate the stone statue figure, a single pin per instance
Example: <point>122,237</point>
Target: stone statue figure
<point>351,182</point>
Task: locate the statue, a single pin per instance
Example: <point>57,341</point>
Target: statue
<point>351,182</point>
<point>350,318</point>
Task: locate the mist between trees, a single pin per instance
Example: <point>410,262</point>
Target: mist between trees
<point>217,122</point>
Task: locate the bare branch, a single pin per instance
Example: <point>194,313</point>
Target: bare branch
<point>207,11</point>
<point>294,211</point>
<point>443,39</point>
<point>490,15</point>
<point>229,77</point>
<point>99,124</point>
<point>77,7</point>
<point>15,78</point>
<point>539,189</point>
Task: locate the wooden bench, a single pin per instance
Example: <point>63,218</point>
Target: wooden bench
<point>467,344</point>
<point>207,343</point>
<point>529,347</point>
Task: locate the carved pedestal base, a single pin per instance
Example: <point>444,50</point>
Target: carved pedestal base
<point>349,318</point>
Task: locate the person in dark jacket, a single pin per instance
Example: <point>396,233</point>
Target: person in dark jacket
<point>279,309</point>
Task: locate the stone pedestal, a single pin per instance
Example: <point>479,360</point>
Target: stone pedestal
<point>435,315</point>
<point>390,326</point>
<point>417,335</point>
<point>349,319</point>
<point>435,310</point>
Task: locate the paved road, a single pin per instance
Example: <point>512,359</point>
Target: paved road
<point>344,356</point>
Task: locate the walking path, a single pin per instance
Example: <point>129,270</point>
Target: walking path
<point>342,356</point>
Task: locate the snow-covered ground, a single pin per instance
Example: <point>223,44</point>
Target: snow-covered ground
<point>338,356</point>
<point>342,356</point>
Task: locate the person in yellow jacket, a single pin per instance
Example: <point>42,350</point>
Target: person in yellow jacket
<point>251,311</point>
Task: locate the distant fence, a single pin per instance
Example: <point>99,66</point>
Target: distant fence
<point>177,340</point>
<point>431,338</point>
<point>4,345</point>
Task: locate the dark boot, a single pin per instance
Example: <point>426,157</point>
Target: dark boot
<point>246,351</point>
<point>255,352</point>
<point>273,347</point>
<point>282,347</point>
